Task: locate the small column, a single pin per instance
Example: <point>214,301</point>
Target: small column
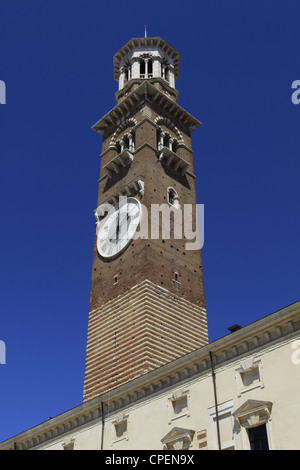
<point>131,143</point>
<point>122,78</point>
<point>171,77</point>
<point>141,185</point>
<point>161,142</point>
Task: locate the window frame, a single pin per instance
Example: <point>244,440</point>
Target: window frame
<point>177,396</point>
<point>249,430</point>
<point>246,366</point>
<point>223,409</point>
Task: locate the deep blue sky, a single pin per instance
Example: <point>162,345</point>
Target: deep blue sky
<point>238,61</point>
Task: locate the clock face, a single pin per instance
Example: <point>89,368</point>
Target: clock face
<point>118,228</point>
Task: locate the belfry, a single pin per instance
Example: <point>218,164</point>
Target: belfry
<point>147,304</point>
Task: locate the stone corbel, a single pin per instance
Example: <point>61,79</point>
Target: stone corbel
<point>141,184</point>
<point>120,418</point>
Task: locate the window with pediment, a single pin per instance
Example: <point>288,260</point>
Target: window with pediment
<point>254,420</point>
<point>178,439</point>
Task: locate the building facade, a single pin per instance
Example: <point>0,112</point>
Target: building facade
<point>152,379</point>
<point>252,374</point>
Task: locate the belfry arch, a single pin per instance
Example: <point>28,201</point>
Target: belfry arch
<point>125,124</point>
<point>162,121</point>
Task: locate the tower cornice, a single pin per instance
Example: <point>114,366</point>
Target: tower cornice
<point>133,83</point>
<point>145,91</point>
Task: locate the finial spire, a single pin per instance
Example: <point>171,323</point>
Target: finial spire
<point>145,31</point>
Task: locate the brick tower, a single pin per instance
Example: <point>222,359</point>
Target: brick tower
<point>147,304</point>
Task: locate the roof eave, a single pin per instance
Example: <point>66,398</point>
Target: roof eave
<point>144,90</point>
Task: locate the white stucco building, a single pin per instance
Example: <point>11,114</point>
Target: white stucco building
<point>255,381</point>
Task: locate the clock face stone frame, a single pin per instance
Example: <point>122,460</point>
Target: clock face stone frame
<point>118,228</point>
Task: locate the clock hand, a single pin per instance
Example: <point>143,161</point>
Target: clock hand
<point>123,226</point>
<point>113,233</point>
<point>124,220</point>
<point>118,227</point>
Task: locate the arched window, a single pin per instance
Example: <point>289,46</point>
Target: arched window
<point>127,72</point>
<point>168,141</point>
<point>173,198</point>
<point>126,143</point>
<point>146,67</point>
<point>142,68</point>
<point>150,69</point>
<point>167,74</point>
<point>127,75</point>
<point>164,139</point>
